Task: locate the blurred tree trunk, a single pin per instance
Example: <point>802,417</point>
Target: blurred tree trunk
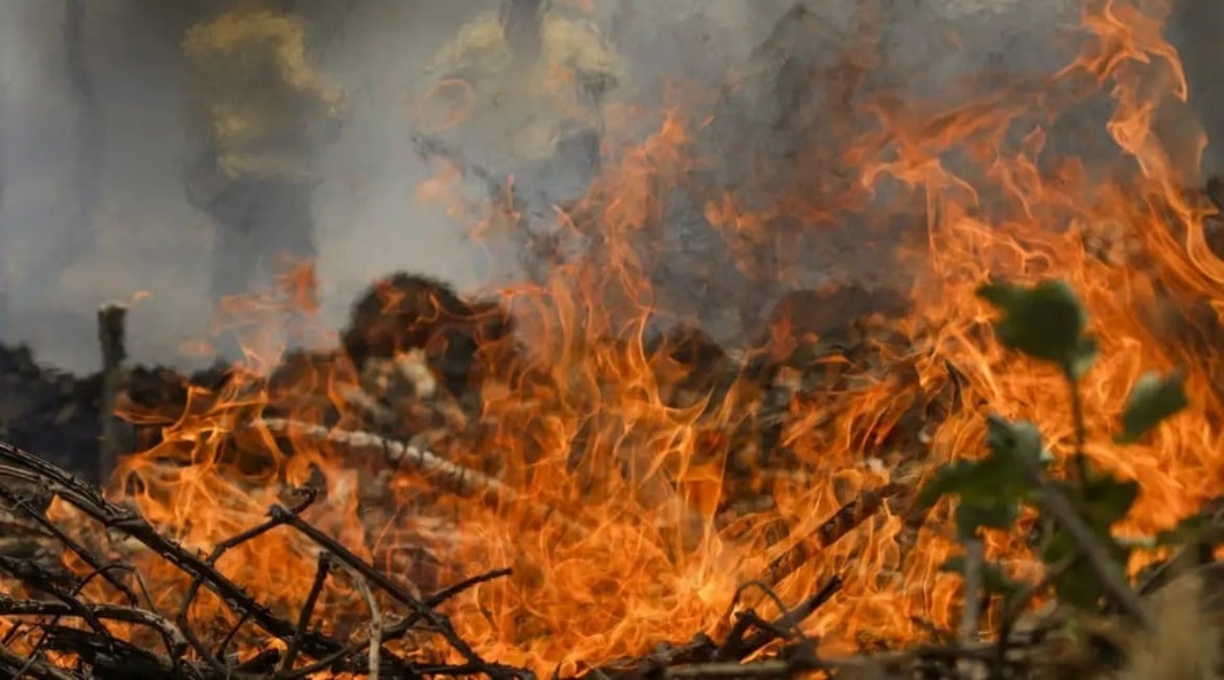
<point>88,136</point>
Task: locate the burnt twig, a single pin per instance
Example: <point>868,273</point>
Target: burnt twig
<point>399,629</point>
<point>395,590</point>
<point>216,554</point>
<point>69,542</point>
<point>19,464</point>
<point>176,644</point>
<point>790,619</point>
<point>15,666</point>
<point>308,606</point>
<point>847,518</point>
<point>35,575</point>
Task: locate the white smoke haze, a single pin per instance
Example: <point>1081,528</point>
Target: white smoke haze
<point>70,241</point>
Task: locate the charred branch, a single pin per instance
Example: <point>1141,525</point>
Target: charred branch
<point>108,655</point>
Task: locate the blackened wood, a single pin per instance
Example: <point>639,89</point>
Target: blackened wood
<point>116,434</point>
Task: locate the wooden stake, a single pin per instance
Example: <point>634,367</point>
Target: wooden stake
<point>116,435</point>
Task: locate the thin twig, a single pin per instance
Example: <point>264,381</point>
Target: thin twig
<point>396,630</point>
<point>971,606</point>
<point>176,644</point>
<point>16,667</point>
<point>347,558</point>
<point>309,496</point>
<point>1113,580</point>
<point>229,637</point>
<point>33,573</point>
<point>971,609</point>
<point>452,591</point>
<point>847,518</point>
<point>441,472</point>
<point>307,612</point>
<point>69,542</point>
<point>792,618</point>
<point>1017,603</point>
<point>21,465</point>
<point>1081,430</point>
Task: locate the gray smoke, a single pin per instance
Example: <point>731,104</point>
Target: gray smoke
<point>92,146</point>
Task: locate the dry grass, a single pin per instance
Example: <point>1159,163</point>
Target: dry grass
<point>1187,640</point>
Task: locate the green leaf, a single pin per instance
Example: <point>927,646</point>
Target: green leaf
<point>1187,531</point>
<point>1046,322</point>
<point>1106,500</point>
<point>993,578</point>
<point>1000,514</point>
<point>1017,443</point>
<point>1152,399</point>
<point>948,480</point>
<point>1013,446</point>
<point>1079,585</point>
<point>990,491</point>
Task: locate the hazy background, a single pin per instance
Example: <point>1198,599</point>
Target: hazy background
<point>92,205</point>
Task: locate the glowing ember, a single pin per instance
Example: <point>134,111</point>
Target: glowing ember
<point>618,499</point>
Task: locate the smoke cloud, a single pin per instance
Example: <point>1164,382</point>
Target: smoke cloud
<point>93,146</point>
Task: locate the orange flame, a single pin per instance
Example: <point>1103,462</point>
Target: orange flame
<point>620,526</point>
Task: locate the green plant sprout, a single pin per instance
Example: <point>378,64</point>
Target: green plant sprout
<point>1084,561</point>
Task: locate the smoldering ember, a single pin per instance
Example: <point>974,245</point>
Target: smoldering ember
<point>842,362</point>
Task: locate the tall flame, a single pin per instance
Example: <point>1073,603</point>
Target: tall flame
<point>618,527</point>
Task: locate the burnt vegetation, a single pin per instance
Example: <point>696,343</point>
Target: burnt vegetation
<point>324,517</point>
<point>403,315</point>
<point>400,316</point>
<point>405,312</point>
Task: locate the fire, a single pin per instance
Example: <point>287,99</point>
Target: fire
<point>617,499</point>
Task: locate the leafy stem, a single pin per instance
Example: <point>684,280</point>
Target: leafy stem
<point>1085,564</point>
<point>1081,431</point>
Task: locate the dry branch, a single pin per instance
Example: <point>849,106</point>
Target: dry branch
<point>847,518</point>
<point>103,650</point>
<point>442,473</point>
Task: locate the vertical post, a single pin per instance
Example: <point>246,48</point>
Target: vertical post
<point>111,336</point>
